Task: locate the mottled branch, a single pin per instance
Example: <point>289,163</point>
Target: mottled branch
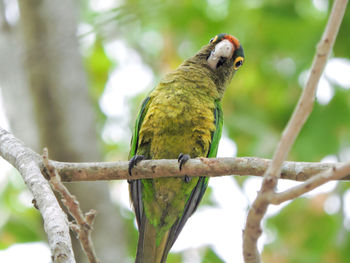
<point>83,225</point>
<point>299,171</point>
<point>55,220</point>
<point>333,173</point>
<point>240,166</point>
<point>302,111</point>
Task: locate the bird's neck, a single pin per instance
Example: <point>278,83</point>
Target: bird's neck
<point>201,72</point>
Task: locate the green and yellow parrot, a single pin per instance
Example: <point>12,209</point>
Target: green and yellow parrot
<point>180,118</point>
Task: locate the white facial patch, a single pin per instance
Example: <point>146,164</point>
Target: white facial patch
<point>223,49</point>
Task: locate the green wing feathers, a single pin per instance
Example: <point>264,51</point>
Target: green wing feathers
<point>150,247</point>
<point>216,136</point>
<point>181,115</point>
<point>135,185</point>
<point>199,190</point>
<point>139,120</point>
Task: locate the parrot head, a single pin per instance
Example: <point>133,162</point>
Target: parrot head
<point>225,51</point>
<point>220,58</point>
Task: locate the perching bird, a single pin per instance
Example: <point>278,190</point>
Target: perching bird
<point>180,118</point>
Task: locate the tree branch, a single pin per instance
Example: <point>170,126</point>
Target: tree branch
<point>55,220</point>
<point>83,226</point>
<point>302,111</point>
<point>14,151</point>
<point>297,171</point>
<point>321,178</point>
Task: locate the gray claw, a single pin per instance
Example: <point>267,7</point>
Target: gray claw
<point>133,162</point>
<point>182,159</point>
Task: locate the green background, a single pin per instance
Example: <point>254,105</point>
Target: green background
<point>279,40</point>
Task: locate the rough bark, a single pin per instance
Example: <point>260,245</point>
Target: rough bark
<point>297,171</point>
<point>55,220</point>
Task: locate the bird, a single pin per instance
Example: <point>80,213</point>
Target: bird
<point>181,118</point>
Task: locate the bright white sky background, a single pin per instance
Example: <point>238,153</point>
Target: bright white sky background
<point>222,224</point>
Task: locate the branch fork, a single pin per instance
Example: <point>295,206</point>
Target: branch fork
<point>83,223</point>
<point>267,194</point>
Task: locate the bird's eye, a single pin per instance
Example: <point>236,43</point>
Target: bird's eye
<point>238,63</point>
<point>213,39</point>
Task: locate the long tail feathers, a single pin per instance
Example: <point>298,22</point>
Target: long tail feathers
<point>147,249</point>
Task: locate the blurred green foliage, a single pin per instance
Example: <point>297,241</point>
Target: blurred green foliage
<point>19,222</point>
<point>305,233</point>
<point>211,257</point>
<point>279,39</point>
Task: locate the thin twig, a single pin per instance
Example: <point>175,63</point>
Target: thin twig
<point>302,111</point>
<point>322,178</point>
<point>297,171</point>
<point>83,226</point>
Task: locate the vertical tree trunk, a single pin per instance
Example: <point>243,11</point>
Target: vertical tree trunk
<point>14,88</point>
<point>49,89</point>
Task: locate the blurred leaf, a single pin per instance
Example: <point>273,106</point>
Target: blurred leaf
<point>98,65</point>
<point>211,257</point>
<point>303,232</point>
<point>174,258</point>
<point>21,227</point>
<point>327,130</point>
<point>19,222</point>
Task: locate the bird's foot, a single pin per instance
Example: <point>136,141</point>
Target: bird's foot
<point>187,178</point>
<point>133,162</point>
<point>182,159</point>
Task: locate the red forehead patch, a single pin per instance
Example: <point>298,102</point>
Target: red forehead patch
<point>233,40</point>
